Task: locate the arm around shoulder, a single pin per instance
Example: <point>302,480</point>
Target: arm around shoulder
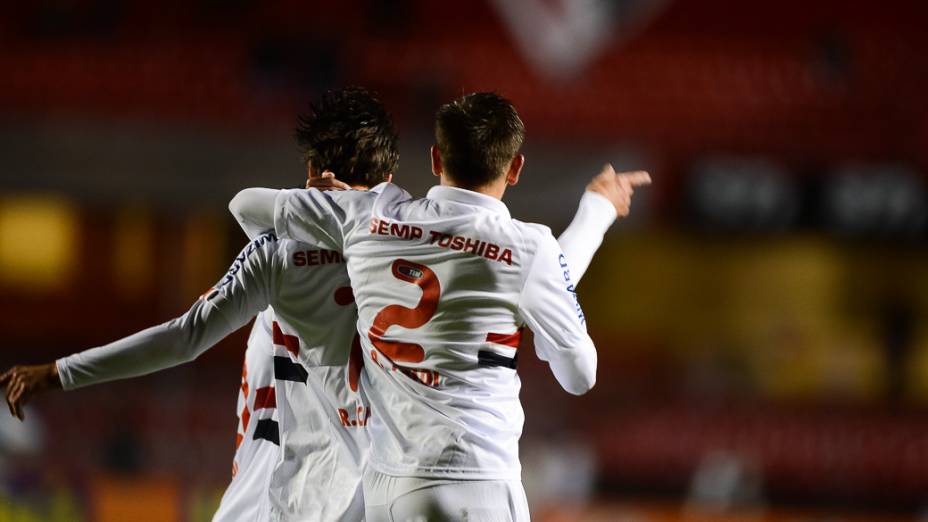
<point>253,208</point>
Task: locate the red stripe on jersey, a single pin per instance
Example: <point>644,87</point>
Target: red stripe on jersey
<point>238,442</point>
<point>265,398</point>
<point>511,340</point>
<point>355,363</point>
<point>245,379</point>
<point>290,342</point>
<point>246,415</point>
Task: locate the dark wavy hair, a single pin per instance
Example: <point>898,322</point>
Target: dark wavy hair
<point>478,135</point>
<point>350,133</point>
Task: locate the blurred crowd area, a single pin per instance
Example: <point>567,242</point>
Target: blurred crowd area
<point>760,319</point>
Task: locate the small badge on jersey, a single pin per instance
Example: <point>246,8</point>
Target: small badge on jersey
<point>410,272</point>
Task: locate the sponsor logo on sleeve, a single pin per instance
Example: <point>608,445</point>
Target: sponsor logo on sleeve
<point>562,260</point>
<point>241,259</point>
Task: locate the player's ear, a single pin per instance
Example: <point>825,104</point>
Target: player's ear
<point>388,178</point>
<point>436,161</point>
<point>515,168</point>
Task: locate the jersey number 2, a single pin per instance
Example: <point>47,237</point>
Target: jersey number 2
<point>410,318</point>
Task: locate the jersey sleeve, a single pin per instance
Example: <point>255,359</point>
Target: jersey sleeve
<point>244,291</point>
<point>549,306</point>
<point>583,237</point>
<point>251,282</point>
<point>253,208</point>
<point>313,216</point>
<point>307,215</point>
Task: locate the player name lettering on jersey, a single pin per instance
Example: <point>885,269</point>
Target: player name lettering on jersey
<point>476,247</point>
<point>317,257</point>
<point>423,375</point>
<point>362,415</point>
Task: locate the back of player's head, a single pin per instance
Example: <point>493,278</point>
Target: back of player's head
<point>350,133</point>
<point>478,135</point>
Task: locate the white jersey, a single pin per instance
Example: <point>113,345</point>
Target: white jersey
<point>318,416</point>
<point>322,414</point>
<point>444,286</point>
<point>257,437</point>
<point>316,401</point>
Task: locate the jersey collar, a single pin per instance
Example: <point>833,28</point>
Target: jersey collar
<point>467,197</point>
<point>378,188</point>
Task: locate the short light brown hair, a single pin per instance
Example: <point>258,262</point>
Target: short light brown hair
<point>478,135</point>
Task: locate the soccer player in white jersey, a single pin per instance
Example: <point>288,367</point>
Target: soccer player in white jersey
<point>301,440</point>
<point>444,285</point>
<point>282,401</point>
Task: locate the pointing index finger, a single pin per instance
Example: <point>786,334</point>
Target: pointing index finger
<point>637,178</point>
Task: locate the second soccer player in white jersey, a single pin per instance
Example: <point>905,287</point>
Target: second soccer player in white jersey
<point>444,285</point>
<point>301,441</point>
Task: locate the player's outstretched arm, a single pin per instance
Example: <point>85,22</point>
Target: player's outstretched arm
<point>241,294</point>
<point>308,215</point>
<point>166,345</point>
<point>607,197</point>
<point>156,348</point>
<point>548,305</point>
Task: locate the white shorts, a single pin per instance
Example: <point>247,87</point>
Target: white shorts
<point>406,499</point>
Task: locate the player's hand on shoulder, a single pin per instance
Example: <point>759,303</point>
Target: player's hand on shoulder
<point>618,188</point>
<point>23,382</point>
<point>326,182</point>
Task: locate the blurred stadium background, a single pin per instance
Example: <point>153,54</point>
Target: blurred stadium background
<point>761,318</point>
